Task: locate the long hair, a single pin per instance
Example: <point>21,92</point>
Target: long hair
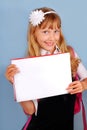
<point>52,20</point>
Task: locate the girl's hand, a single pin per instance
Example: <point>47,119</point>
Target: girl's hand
<point>10,72</point>
<point>75,87</point>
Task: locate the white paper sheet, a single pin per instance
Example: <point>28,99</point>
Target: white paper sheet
<point>41,77</point>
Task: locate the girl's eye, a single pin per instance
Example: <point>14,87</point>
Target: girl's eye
<point>45,32</point>
<point>56,31</point>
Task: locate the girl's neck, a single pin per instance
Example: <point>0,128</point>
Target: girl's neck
<point>54,51</point>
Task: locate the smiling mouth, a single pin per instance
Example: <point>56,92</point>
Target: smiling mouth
<point>49,44</point>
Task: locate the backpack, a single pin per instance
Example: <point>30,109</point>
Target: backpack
<point>79,101</point>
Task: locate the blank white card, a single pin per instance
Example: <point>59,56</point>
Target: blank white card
<point>41,77</point>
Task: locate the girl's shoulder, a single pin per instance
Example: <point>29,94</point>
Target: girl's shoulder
<point>69,47</point>
<point>71,50</point>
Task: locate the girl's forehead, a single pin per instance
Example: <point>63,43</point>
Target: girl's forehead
<point>50,25</point>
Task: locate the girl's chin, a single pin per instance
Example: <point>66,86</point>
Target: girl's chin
<point>51,50</point>
<point>50,47</point>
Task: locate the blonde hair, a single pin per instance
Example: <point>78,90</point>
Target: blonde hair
<point>52,20</point>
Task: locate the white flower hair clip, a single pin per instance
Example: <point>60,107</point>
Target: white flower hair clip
<point>37,16</point>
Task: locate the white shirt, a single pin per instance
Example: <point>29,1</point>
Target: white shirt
<point>81,71</point>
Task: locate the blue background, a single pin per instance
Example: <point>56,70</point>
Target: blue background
<point>13,33</point>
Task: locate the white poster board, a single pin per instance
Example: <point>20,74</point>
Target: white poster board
<point>41,77</point>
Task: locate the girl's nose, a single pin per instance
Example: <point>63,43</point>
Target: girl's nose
<point>51,36</point>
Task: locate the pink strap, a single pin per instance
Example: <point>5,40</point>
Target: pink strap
<point>84,117</point>
<point>27,123</point>
<point>79,96</point>
<point>78,100</point>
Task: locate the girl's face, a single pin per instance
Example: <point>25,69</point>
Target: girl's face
<point>47,38</point>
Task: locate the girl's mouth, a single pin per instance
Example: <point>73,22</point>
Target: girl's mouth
<point>49,44</point>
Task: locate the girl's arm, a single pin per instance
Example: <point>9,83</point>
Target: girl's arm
<point>77,86</point>
<point>28,107</point>
<point>84,84</point>
<point>81,85</point>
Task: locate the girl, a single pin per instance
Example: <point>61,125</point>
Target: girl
<point>45,37</point>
